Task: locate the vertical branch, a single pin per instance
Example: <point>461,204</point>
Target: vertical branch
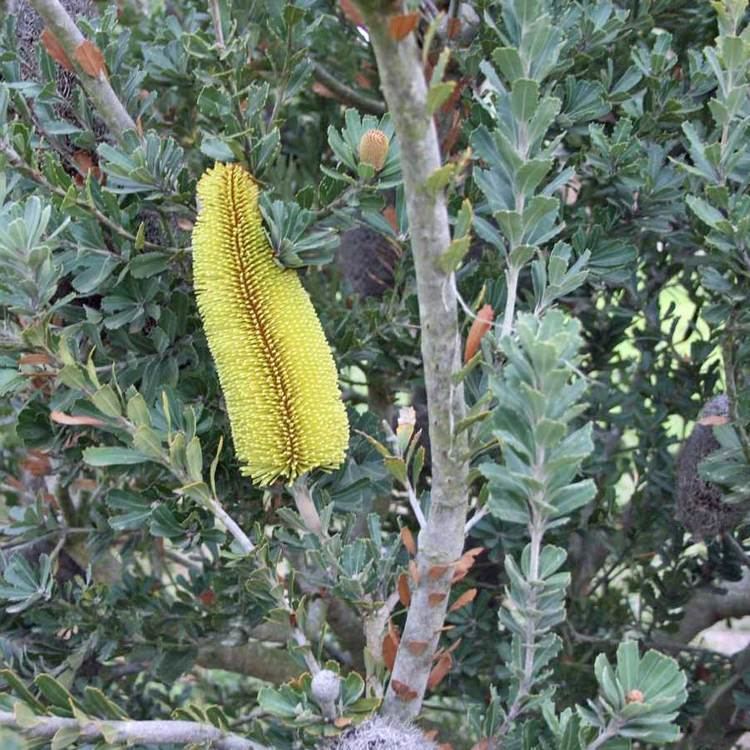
<point>216,18</point>
<point>97,87</point>
<point>441,539</point>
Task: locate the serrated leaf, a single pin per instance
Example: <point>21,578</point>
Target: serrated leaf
<point>53,691</point>
<point>19,688</point>
<point>449,260</point>
<point>107,401</point>
<point>438,94</point>
<point>440,178</point>
<point>64,737</point>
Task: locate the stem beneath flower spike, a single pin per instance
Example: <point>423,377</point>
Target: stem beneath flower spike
<point>306,507</point>
<point>231,525</point>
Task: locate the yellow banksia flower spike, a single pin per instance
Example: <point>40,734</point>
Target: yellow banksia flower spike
<point>275,366</point>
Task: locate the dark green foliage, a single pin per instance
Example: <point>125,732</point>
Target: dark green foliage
<point>605,197</point>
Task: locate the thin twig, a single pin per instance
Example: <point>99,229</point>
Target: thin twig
<point>346,94</point>
<point>231,525</point>
<point>475,519</point>
<point>415,506</point>
<point>134,732</point>
<point>605,736</point>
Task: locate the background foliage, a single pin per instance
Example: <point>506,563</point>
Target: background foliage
<point>599,157</point>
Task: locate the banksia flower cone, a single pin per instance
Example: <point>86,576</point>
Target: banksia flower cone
<point>275,366</point>
<point>373,148</point>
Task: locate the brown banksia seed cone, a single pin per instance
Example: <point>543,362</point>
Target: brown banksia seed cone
<point>373,148</point>
<point>367,261</point>
<point>699,506</point>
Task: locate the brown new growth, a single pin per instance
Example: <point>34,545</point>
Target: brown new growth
<point>55,50</point>
<point>402,25</point>
<point>91,59</point>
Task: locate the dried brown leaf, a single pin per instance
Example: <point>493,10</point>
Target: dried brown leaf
<point>465,563</point>
<point>35,359</point>
<point>77,420</point>
<point>390,647</point>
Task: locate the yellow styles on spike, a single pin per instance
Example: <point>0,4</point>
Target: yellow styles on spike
<point>275,366</point>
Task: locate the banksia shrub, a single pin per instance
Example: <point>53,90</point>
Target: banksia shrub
<point>373,148</point>
<point>275,366</point>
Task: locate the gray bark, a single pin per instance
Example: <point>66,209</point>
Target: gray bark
<point>140,732</point>
<point>441,540</point>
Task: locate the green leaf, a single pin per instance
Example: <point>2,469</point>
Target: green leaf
<point>64,737</point>
<point>438,94</point>
<point>524,99</point>
<point>98,268</point>
<point>194,458</point>
<point>455,253</point>
<point>107,401</point>
<point>19,688</point>
<point>163,523</point>
<point>148,442</point>
<point>440,178</point>
<point>53,691</point>
<point>705,211</point>
<point>396,467</point>
<point>509,62</point>
<point>137,410</point>
<point>25,717</point>
<point>137,510</point>
<point>106,456</point>
<point>146,265</point>
<point>216,148</point>
<point>97,704</point>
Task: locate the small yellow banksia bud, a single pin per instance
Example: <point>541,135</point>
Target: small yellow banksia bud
<point>373,148</point>
<point>275,366</point>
